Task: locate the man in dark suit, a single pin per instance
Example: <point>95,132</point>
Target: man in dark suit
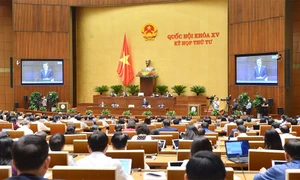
<point>167,127</point>
<point>30,158</point>
<point>145,103</point>
<point>260,71</point>
<point>46,73</point>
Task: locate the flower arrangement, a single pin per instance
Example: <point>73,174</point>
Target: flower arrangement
<point>147,74</point>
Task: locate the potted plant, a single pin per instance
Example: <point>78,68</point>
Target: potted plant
<point>35,99</point>
<point>57,110</point>
<point>193,113</point>
<point>237,113</point>
<point>88,112</point>
<point>101,89</point>
<point>43,108</point>
<point>215,112</point>
<point>105,112</point>
<point>257,104</point>
<point>198,89</point>
<point>32,107</point>
<point>117,89</point>
<point>72,110</point>
<point>133,89</point>
<point>170,113</point>
<point>52,99</point>
<point>162,89</point>
<point>147,113</point>
<point>126,113</point>
<point>243,101</point>
<point>179,89</point>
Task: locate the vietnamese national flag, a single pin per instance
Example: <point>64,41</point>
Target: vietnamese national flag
<point>125,70</point>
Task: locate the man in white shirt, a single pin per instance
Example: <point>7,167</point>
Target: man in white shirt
<point>241,131</point>
<point>25,126</point>
<point>231,121</point>
<point>57,143</point>
<point>40,126</point>
<point>98,145</point>
<point>216,104</point>
<point>285,133</point>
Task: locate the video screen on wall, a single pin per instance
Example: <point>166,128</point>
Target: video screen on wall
<point>42,72</point>
<point>256,69</point>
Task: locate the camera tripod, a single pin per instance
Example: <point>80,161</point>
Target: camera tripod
<point>227,107</point>
<point>210,106</point>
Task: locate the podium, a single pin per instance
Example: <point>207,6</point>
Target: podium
<point>63,106</point>
<point>147,85</point>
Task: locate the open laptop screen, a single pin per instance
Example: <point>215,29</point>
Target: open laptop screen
<point>237,148</point>
<point>161,143</point>
<point>126,164</point>
<point>175,143</point>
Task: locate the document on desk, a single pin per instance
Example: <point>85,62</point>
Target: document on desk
<point>236,177</point>
<point>157,175</point>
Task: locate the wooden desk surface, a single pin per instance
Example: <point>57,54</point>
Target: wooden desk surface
<point>161,161</point>
<point>243,175</point>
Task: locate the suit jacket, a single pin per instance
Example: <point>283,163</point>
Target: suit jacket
<point>263,72</point>
<point>167,128</point>
<point>26,177</point>
<point>48,75</point>
<point>145,103</point>
<point>278,171</point>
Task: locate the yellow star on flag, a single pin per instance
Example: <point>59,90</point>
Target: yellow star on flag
<point>124,59</point>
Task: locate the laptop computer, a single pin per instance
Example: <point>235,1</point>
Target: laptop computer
<point>175,163</point>
<point>237,151</point>
<point>5,129</point>
<point>175,143</point>
<point>256,127</point>
<point>161,144</point>
<point>126,164</point>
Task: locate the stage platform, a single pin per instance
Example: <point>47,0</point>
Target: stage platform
<point>179,104</point>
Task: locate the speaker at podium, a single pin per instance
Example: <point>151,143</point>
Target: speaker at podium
<point>63,106</point>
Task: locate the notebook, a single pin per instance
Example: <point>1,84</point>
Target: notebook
<point>175,143</point>
<point>161,144</point>
<point>237,151</point>
<point>126,164</point>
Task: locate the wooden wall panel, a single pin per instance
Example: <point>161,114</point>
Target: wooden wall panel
<point>6,41</point>
<point>249,10</point>
<point>296,59</point>
<point>91,2</point>
<point>41,18</point>
<point>257,36</point>
<point>257,26</point>
<point>41,45</point>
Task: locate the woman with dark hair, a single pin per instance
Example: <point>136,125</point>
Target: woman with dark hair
<point>205,165</point>
<point>200,143</point>
<point>272,140</point>
<point>191,133</point>
<point>147,120</point>
<point>71,129</point>
<point>143,133</point>
<point>6,144</point>
<point>130,126</point>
